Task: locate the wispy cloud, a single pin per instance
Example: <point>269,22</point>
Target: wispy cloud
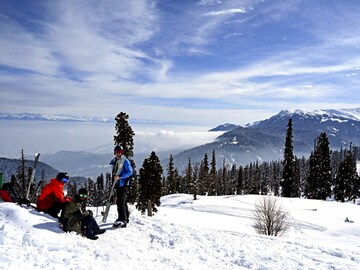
<point>225,12</point>
<point>204,61</point>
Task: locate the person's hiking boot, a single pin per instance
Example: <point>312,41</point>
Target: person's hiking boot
<point>100,231</point>
<point>93,237</point>
<point>119,224</point>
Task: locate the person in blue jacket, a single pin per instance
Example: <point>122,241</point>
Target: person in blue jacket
<point>123,178</point>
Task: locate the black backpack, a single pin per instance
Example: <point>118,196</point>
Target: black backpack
<point>132,177</point>
<point>133,166</point>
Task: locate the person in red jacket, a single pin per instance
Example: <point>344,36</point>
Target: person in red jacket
<point>52,200</point>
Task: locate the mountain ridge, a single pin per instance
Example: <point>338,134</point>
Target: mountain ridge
<point>264,140</point>
<point>261,141</point>
<point>84,119</point>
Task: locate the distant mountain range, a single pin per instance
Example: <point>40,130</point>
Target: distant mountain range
<point>71,118</point>
<point>49,117</point>
<point>260,141</point>
<point>11,166</point>
<point>264,140</point>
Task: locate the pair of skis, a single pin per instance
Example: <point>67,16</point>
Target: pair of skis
<point>108,204</point>
<point>37,156</point>
<point>107,209</point>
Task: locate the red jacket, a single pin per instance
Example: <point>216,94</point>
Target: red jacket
<point>5,196</point>
<point>51,193</point>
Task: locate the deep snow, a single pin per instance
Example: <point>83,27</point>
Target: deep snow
<point>209,233</point>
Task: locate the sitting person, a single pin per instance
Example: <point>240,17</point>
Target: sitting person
<point>8,192</point>
<point>77,218</point>
<point>52,200</point>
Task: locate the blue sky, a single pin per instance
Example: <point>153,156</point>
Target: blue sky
<point>204,62</point>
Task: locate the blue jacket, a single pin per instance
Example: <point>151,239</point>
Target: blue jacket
<point>126,171</point>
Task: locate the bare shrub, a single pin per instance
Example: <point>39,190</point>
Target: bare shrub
<point>270,217</point>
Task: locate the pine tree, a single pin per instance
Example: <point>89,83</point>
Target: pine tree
<point>288,175</point>
<point>346,179</point>
<point>255,179</point>
<point>297,178</point>
<point>124,134</point>
<point>252,180</point>
<point>240,181</point>
<point>213,176</point>
<point>318,185</point>
<point>108,186</point>
<point>133,189</point>
<point>194,184</point>
<point>150,185</point>
<point>275,180</point>
<point>125,138</point>
<point>98,198</point>
<point>223,179</point>
<point>204,183</point>
<point>71,188</point>
<point>324,167</point>
<point>21,176</point>
<point>188,177</point>
<point>170,183</point>
<point>246,179</point>
<point>233,179</point>
<point>303,169</point>
<point>309,190</point>
<point>264,178</point>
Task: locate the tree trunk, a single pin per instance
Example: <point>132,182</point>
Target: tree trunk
<point>149,208</point>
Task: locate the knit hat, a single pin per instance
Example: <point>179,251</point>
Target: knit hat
<point>83,191</point>
<point>83,194</point>
<point>62,177</point>
<point>118,148</point>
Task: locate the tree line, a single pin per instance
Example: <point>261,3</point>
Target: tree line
<point>324,174</point>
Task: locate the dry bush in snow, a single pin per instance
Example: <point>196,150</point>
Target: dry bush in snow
<point>270,217</point>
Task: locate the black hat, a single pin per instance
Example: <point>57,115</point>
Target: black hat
<point>118,148</point>
<point>62,177</point>
<point>83,191</point>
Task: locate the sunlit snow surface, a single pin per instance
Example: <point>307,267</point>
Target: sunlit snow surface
<point>209,233</point>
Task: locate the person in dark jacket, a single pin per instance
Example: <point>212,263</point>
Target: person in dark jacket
<point>8,192</point>
<point>52,200</point>
<point>123,183</point>
<point>80,220</point>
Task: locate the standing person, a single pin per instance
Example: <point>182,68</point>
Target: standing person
<point>78,219</point>
<point>122,185</point>
<point>52,200</point>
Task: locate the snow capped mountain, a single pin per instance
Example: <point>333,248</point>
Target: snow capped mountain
<point>224,127</point>
<point>49,117</point>
<point>264,140</point>
<point>322,116</point>
<point>71,118</point>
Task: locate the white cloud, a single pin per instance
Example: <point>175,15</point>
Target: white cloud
<point>163,140</point>
<point>102,57</point>
<point>226,12</point>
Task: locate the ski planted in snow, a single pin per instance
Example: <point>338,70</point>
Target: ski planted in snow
<point>108,204</point>
<point>37,156</point>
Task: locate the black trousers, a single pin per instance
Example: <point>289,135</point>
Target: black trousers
<point>122,207</point>
<point>55,209</point>
<point>91,226</point>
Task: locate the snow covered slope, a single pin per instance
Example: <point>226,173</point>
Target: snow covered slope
<point>209,233</point>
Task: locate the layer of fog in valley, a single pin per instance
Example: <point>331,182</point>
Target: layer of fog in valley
<point>50,137</point>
